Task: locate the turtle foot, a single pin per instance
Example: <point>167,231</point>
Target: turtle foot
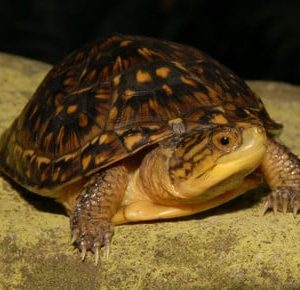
<point>92,237</point>
<point>285,199</point>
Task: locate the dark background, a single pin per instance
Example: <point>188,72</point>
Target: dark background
<point>259,39</point>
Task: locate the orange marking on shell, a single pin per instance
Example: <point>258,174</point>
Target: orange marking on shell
<point>117,67</point>
<point>143,76</point>
<point>91,75</point>
<point>59,109</point>
<point>145,52</point>
<point>116,80</point>
<point>71,109</point>
<point>100,158</point>
<point>230,107</point>
<point>105,73</point>
<point>58,99</point>
<point>188,82</point>
<point>128,94</point>
<point>43,176</point>
<point>83,120</point>
<point>219,119</point>
<point>163,72</point>
<point>103,92</point>
<point>33,111</point>
<point>153,104</point>
<point>63,177</point>
<point>60,135</point>
<point>70,82</point>
<point>37,124</point>
<point>167,89</point>
<point>83,90</point>
<point>42,160</point>
<point>86,161</point>
<point>55,175</point>
<point>217,88</point>
<point>28,173</point>
<point>103,138</point>
<point>95,140</point>
<point>113,113</point>
<point>131,140</point>
<point>28,153</point>
<point>179,65</point>
<point>202,98</point>
<point>47,141</point>
<point>125,43</point>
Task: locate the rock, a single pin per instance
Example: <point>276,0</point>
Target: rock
<point>232,246</point>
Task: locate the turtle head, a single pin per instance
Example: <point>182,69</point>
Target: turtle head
<point>214,164</point>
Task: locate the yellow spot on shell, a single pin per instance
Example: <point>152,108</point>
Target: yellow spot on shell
<point>131,140</point>
<point>70,82</point>
<point>179,65</point>
<point>58,99</point>
<point>113,113</point>
<point>28,152</point>
<point>128,94</point>
<point>116,80</point>
<point>59,109</point>
<point>188,81</point>
<point>86,161</point>
<point>55,175</point>
<point>167,89</point>
<point>125,43</point>
<point>117,67</point>
<point>48,140</point>
<point>43,176</point>
<point>143,77</point>
<point>145,52</point>
<point>83,120</point>
<point>219,119</point>
<point>71,109</point>
<point>42,160</point>
<point>99,158</point>
<point>103,138</point>
<point>162,72</point>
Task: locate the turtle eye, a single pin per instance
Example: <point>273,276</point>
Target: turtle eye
<point>226,140</point>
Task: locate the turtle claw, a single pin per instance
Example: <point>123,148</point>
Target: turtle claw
<point>92,237</point>
<point>284,205</point>
<point>283,199</point>
<point>83,253</point>
<point>74,236</point>
<point>296,208</point>
<point>265,207</point>
<point>275,206</point>
<point>97,255</point>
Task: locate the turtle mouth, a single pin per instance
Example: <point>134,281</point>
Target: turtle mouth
<point>249,182</point>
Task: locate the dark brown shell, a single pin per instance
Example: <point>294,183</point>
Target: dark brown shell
<point>114,97</point>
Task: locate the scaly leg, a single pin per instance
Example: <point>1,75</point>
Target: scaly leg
<point>281,169</point>
<point>95,206</point>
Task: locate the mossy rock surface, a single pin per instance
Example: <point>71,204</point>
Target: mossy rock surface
<point>230,247</point>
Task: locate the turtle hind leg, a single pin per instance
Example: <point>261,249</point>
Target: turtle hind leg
<point>95,206</point>
<point>281,170</point>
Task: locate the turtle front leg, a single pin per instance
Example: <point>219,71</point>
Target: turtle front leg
<point>95,206</point>
<point>281,170</point>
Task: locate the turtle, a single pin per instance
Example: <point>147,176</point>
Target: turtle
<point>130,129</point>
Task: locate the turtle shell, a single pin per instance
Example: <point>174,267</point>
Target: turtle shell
<point>112,98</point>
